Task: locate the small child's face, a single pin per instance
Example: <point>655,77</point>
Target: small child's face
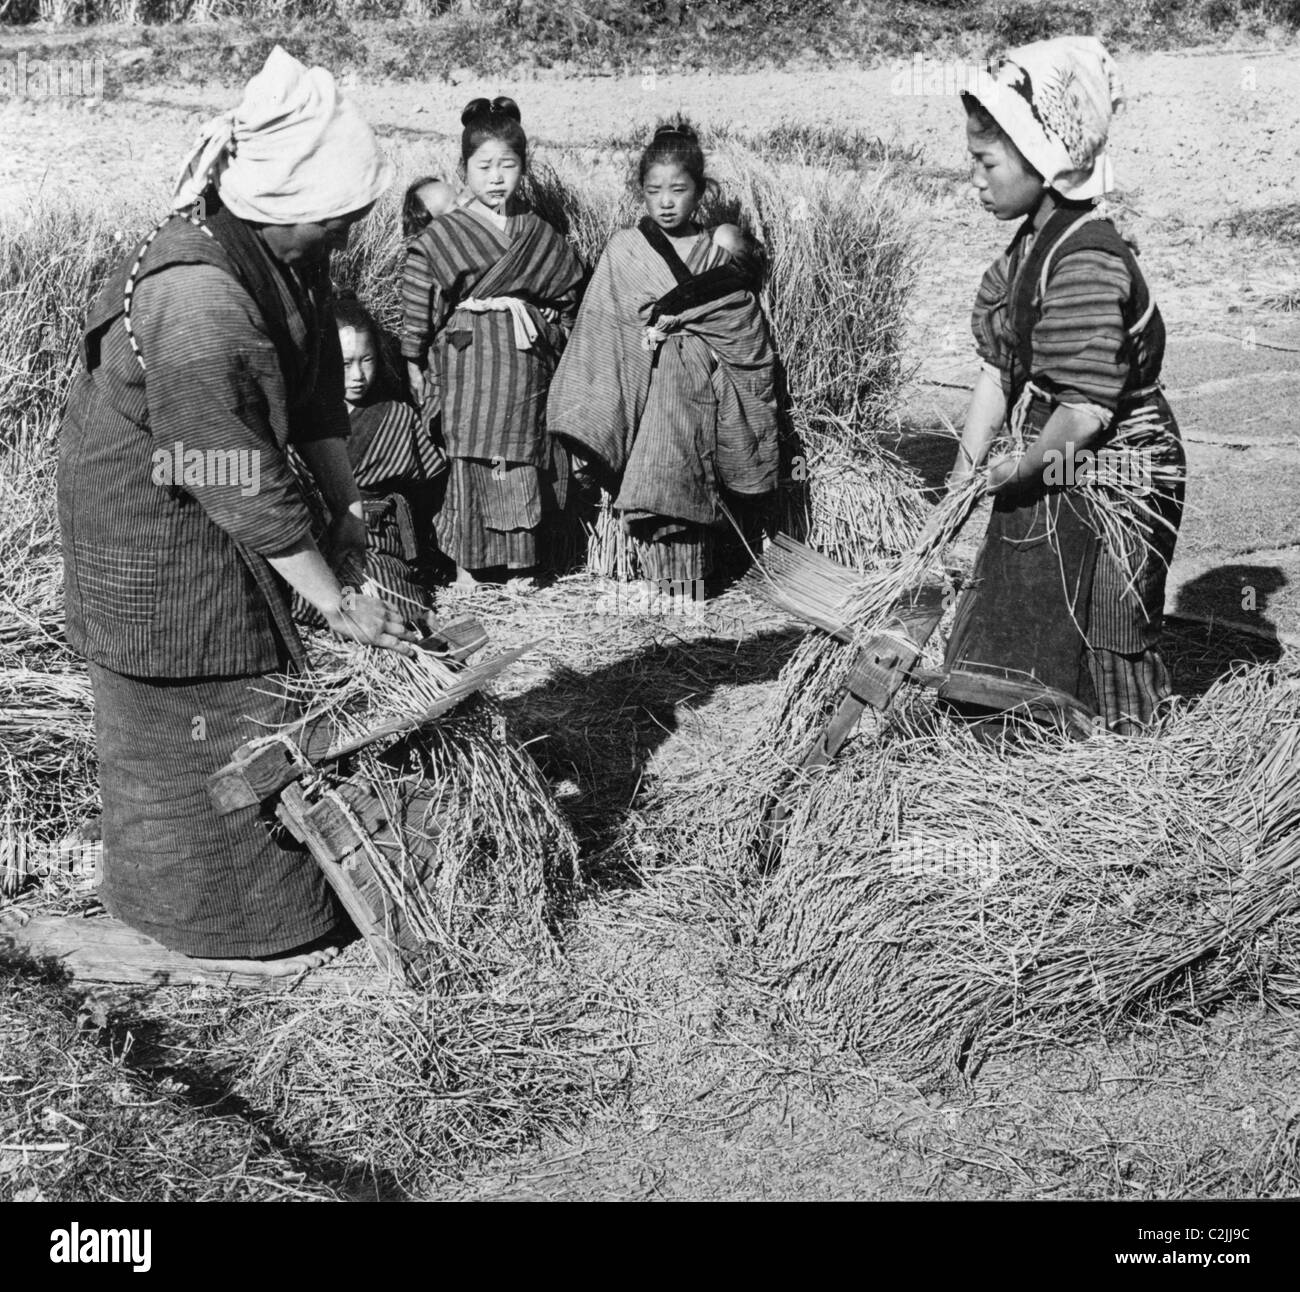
<point>360,363</point>
<point>1007,185</point>
<point>493,173</point>
<point>670,196</point>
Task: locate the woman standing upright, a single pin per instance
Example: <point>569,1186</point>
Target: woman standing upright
<point>488,296</point>
<point>209,351</point>
<point>1072,344</point>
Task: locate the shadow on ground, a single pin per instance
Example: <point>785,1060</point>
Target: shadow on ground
<point>117,1022</point>
<point>598,728</point>
<point>1218,620</point>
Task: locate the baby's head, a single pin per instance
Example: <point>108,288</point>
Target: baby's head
<point>731,239</point>
<point>359,341</point>
<point>742,251</point>
<point>427,197</point>
<point>671,176</point>
<point>1007,185</point>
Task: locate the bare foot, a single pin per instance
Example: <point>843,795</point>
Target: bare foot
<point>275,967</point>
<point>466,582</point>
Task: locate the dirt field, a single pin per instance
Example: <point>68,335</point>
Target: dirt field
<point>1207,135</point>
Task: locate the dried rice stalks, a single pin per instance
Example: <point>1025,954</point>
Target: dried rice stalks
<point>484,862</point>
<point>47,770</point>
<point>856,508</point>
<point>611,553</point>
<point>940,899</point>
<point>404,1090</point>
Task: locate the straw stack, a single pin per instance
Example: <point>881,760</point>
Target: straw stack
<point>940,899</point>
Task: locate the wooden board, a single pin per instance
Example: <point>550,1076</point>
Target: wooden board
<point>1006,695</point>
<point>336,827</point>
<point>883,663</point>
<point>100,949</point>
<point>259,770</point>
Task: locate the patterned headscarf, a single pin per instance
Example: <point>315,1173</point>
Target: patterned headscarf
<point>1055,100</point>
<point>295,151</point>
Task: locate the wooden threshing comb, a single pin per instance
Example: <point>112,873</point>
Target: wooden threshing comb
<point>344,821</point>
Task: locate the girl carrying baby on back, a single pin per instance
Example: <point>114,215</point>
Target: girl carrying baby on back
<point>667,389</point>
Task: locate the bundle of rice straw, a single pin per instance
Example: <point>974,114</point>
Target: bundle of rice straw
<point>858,510</point>
<point>486,861</point>
<point>611,553</point>
<point>941,899</point>
<point>47,767</point>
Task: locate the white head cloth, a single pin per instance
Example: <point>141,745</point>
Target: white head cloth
<point>1055,100</point>
<point>295,151</point>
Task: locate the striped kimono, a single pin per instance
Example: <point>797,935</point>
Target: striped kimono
<point>673,424</point>
<point>492,361</point>
<point>1064,317</point>
<point>396,464</point>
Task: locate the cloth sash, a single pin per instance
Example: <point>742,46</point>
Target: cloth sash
<point>506,286</point>
<point>525,328</point>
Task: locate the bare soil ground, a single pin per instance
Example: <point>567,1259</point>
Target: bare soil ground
<point>1196,1111</point>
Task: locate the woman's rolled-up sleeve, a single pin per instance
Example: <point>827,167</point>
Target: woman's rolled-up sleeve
<point>989,317</point>
<point>217,408</point>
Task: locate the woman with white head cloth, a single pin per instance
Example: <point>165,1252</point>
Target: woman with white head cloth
<point>1072,344</point>
<point>210,351</point>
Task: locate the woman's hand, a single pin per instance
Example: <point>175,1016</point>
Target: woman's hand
<point>1003,471</point>
<point>984,419</point>
<point>371,622</point>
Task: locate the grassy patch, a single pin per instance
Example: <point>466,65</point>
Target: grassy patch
<point>86,1117</point>
<point>1279,223</point>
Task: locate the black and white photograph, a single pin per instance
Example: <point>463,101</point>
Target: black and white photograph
<point>650,601</point>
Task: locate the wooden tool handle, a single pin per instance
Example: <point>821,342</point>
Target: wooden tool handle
<point>837,732</point>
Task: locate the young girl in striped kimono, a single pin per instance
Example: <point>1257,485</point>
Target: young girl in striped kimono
<point>668,385</point>
<point>394,460</point>
<point>1072,345</point>
<point>488,295</point>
